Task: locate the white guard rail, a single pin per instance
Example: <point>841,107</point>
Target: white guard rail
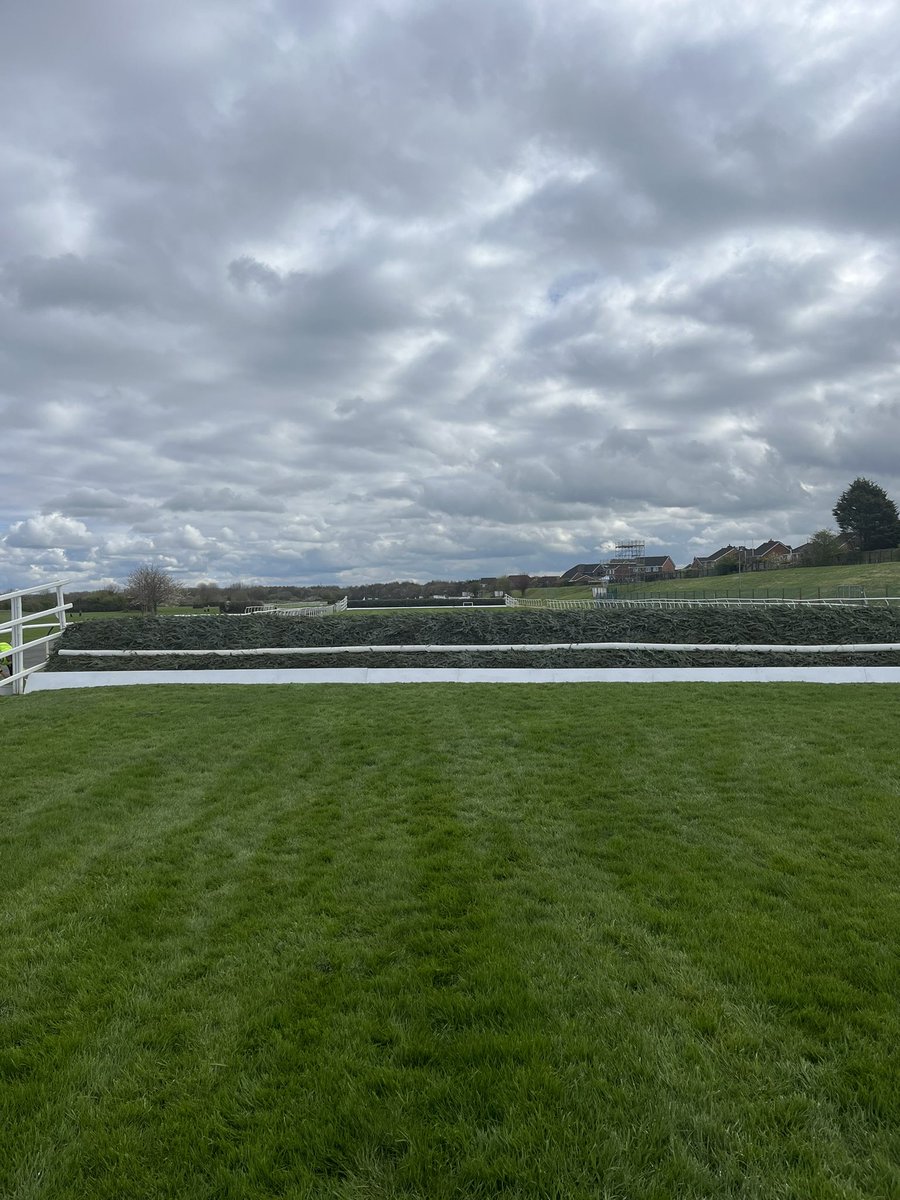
<point>704,602</point>
<point>748,648</point>
<point>15,628</point>
<point>312,610</point>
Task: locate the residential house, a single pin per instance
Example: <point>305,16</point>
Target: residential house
<point>658,566</point>
<point>745,558</point>
<point>583,573</point>
<point>706,564</point>
<point>766,554</point>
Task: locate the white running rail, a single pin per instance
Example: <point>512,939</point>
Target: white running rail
<point>312,610</point>
<point>706,602</point>
<point>15,628</point>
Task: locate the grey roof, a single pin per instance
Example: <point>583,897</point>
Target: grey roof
<point>716,554</point>
<point>652,560</point>
<point>581,569</point>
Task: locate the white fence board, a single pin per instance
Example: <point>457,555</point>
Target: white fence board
<point>55,681</point>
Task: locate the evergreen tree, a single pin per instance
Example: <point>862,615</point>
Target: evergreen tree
<point>866,512</point>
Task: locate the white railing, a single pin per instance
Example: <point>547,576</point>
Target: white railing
<point>706,602</point>
<point>312,610</point>
<point>15,627</point>
<point>549,602</point>
<point>514,647</point>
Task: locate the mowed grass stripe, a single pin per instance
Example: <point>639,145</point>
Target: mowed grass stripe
<point>435,941</point>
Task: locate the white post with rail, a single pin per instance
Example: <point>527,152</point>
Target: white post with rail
<point>15,628</point>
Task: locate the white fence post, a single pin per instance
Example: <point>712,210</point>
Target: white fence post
<point>15,629</point>
<point>17,638</point>
<point>61,606</point>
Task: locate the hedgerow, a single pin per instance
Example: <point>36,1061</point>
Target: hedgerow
<point>763,625</point>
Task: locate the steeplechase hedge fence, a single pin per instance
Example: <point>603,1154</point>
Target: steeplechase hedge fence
<point>764,626</point>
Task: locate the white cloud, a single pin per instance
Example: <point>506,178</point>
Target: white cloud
<point>463,289</point>
<point>52,530</point>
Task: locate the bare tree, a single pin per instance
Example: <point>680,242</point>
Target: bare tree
<point>150,586</point>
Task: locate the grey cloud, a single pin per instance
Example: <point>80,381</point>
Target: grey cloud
<point>245,272</point>
<point>222,499</point>
<point>347,289</point>
<point>760,295</point>
<point>69,281</point>
<point>91,502</point>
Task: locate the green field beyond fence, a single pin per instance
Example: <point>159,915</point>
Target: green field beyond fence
<point>438,942</point>
<point>875,579</point>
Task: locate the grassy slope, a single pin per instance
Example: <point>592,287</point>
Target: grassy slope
<point>434,942</point>
<point>873,577</point>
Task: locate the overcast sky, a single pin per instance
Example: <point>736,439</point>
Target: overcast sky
<point>346,290</point>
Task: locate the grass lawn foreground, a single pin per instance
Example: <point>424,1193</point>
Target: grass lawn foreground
<point>616,942</point>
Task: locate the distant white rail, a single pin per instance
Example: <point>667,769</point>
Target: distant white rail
<point>15,627</point>
<point>511,647</point>
<point>311,610</point>
<point>704,602</point>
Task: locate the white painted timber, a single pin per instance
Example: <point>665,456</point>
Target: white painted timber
<point>703,602</point>
<point>16,625</point>
<point>513,647</point>
<point>55,681</point>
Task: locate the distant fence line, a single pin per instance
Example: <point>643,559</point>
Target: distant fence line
<point>312,610</point>
<point>703,602</point>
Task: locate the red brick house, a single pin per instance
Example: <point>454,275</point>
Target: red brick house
<point>657,566</point>
<point>707,563</point>
<point>771,552</point>
<point>748,558</point>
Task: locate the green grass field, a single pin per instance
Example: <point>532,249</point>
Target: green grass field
<point>877,579</point>
<point>575,942</point>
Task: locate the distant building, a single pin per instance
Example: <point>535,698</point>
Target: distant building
<point>583,572</point>
<point>707,563</point>
<point>770,552</point>
<point>656,566</point>
<point>746,558</point>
